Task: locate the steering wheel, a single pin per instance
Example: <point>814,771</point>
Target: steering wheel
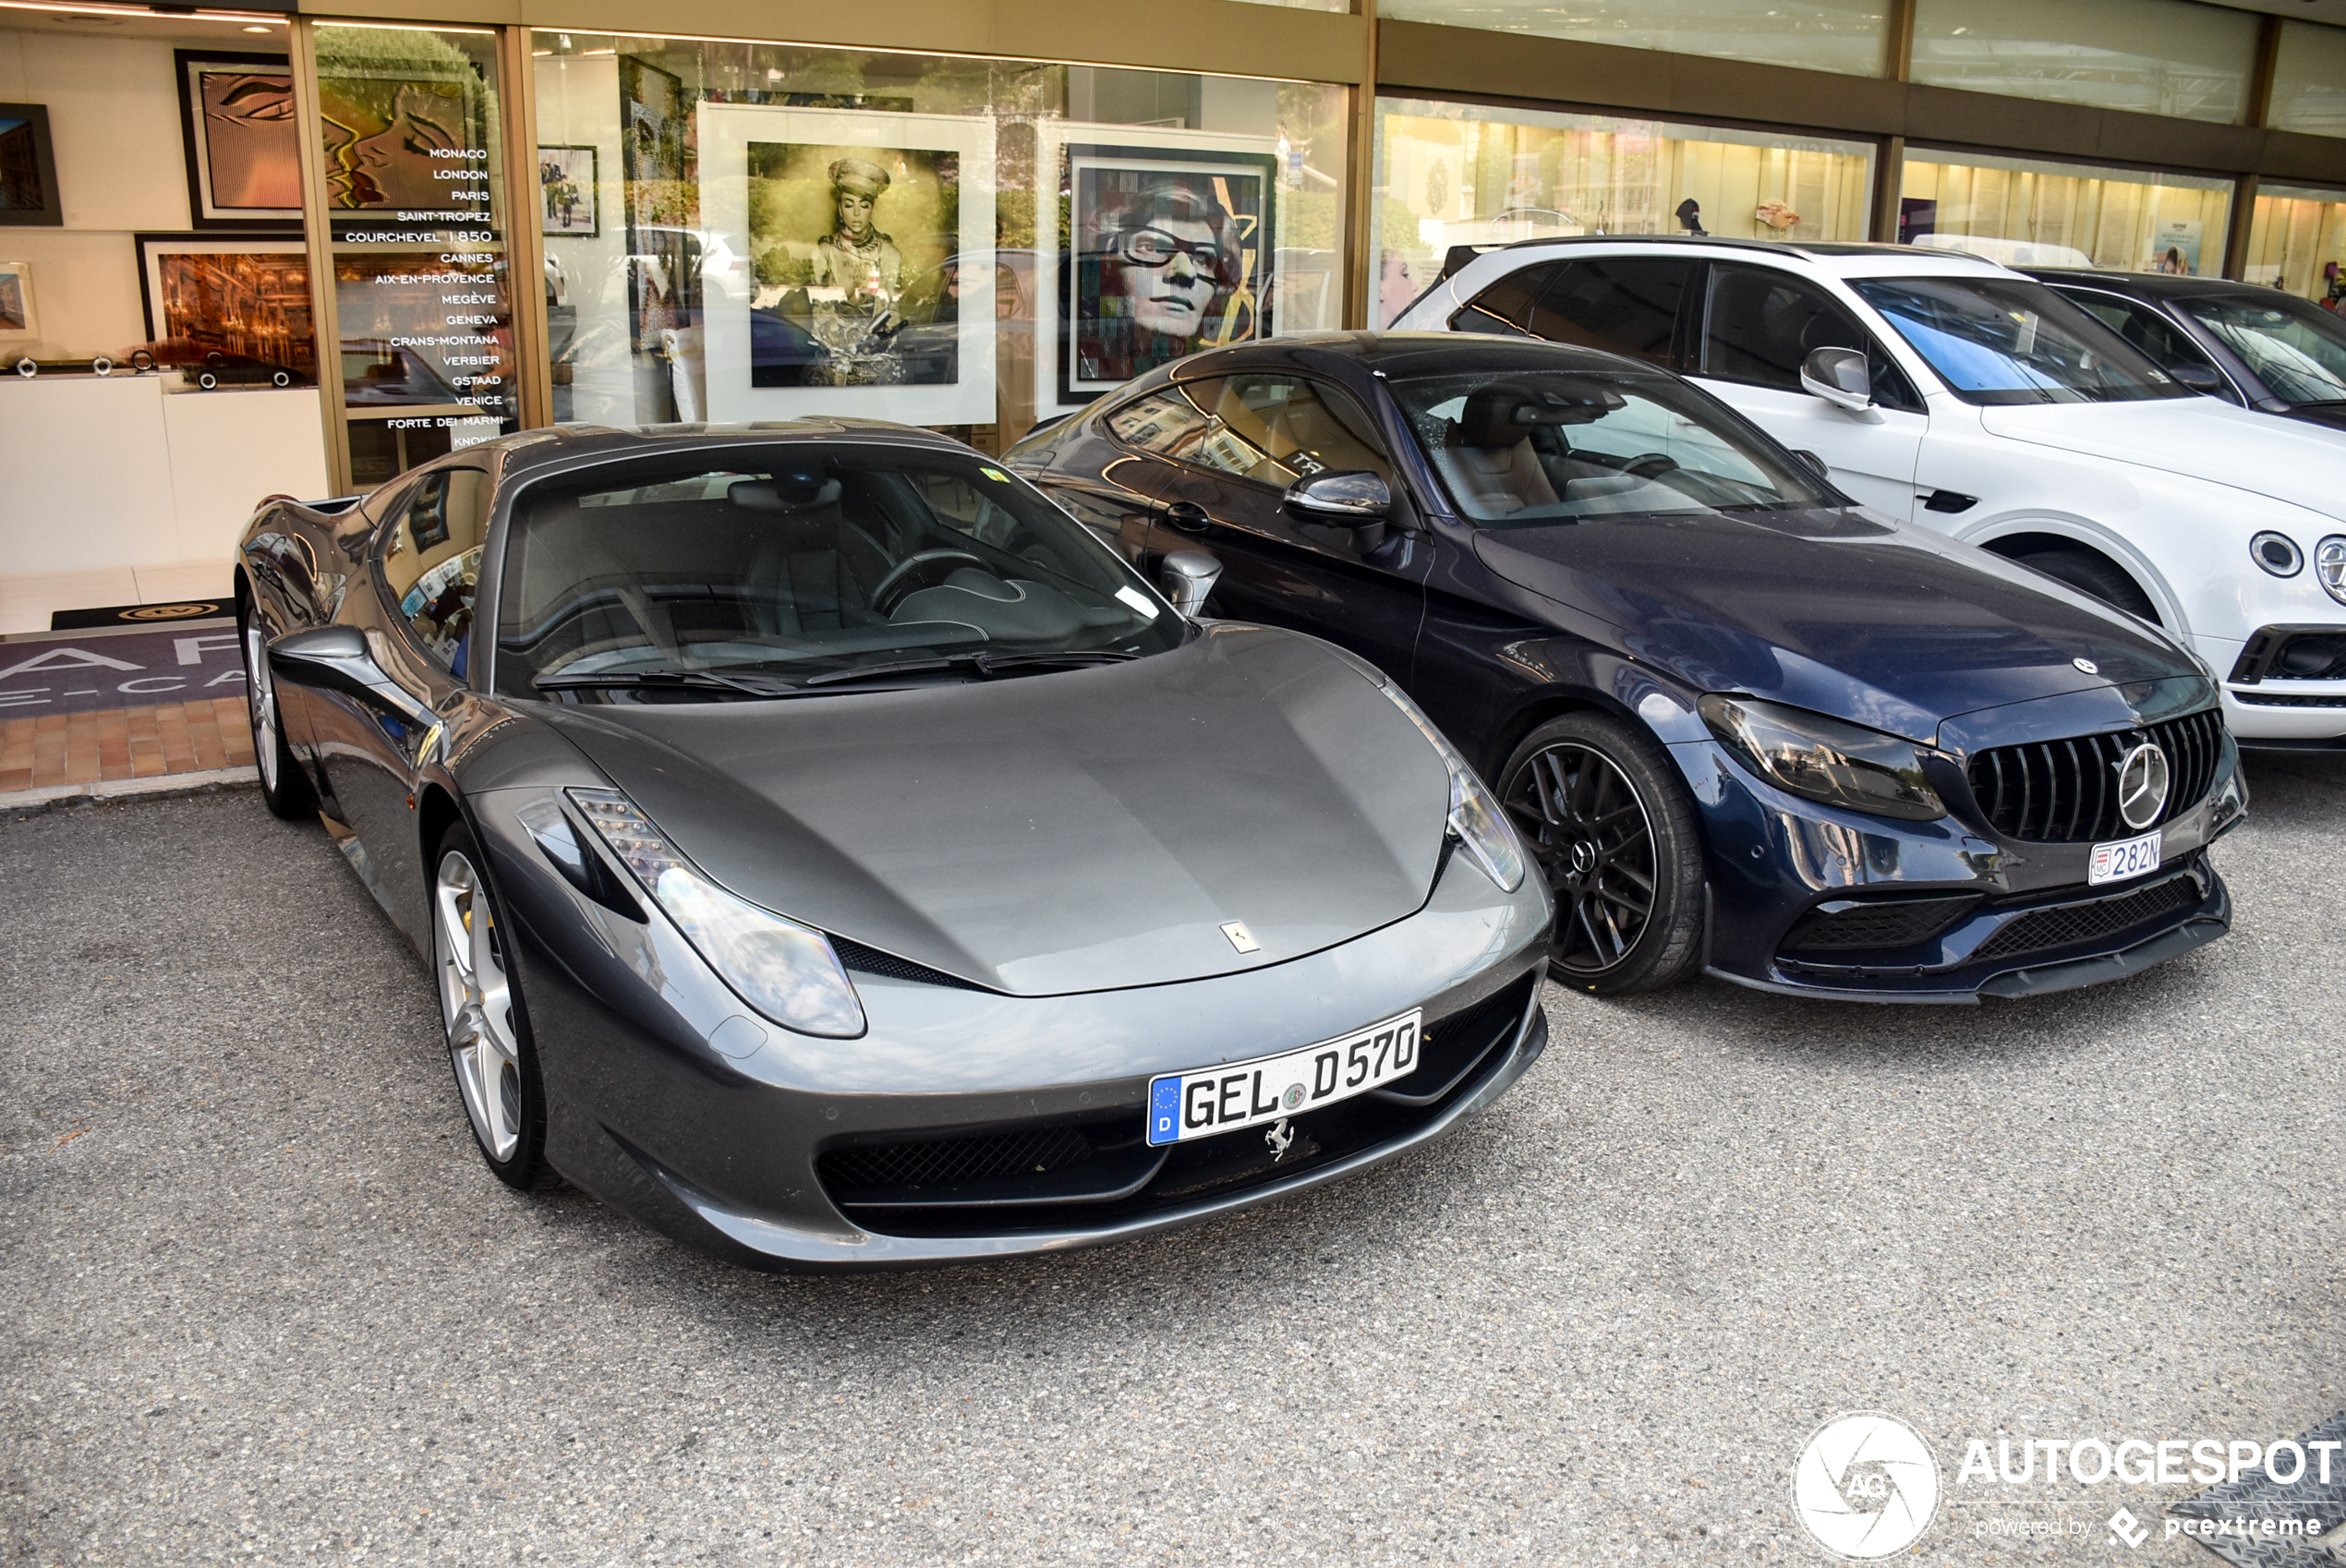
<point>891,588</point>
<point>1652,466</point>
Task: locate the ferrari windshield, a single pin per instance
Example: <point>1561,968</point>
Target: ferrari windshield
<point>2010,340</point>
<point>764,569</point>
<point>1548,446</point>
<point>2296,347</point>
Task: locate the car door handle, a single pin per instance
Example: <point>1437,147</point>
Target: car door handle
<point>1187,516</point>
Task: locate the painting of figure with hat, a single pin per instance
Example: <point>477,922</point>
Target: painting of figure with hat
<point>836,234</point>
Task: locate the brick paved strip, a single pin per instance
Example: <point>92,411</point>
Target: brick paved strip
<point>47,751</point>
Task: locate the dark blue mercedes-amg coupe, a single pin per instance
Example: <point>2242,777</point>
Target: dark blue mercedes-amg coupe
<point>1744,724</point>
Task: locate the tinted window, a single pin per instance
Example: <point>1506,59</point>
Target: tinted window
<point>2295,347</point>
<point>1762,325</point>
<point>1505,306</point>
<point>2140,325</point>
<point>1271,429</point>
<point>1547,446</point>
<point>432,559</point>
<point>1998,341</point>
<point>1624,305</point>
<point>769,563</point>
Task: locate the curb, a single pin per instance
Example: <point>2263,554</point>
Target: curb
<point>29,803</point>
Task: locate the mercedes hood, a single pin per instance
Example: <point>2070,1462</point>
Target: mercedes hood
<point>1079,830</point>
<point>1881,623</point>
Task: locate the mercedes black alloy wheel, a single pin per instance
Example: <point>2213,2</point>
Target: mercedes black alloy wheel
<point>1611,829</point>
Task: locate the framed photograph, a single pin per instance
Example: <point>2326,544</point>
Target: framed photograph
<point>566,192</point>
<point>395,127</point>
<point>16,302</point>
<point>236,119</point>
<point>657,162</point>
<point>238,306</point>
<point>27,168</point>
<point>1165,248</point>
<point>857,228</point>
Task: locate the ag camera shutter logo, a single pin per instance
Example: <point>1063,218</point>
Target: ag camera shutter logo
<point>1867,1485</point>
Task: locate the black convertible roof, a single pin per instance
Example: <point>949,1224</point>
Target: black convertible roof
<point>2145,285</point>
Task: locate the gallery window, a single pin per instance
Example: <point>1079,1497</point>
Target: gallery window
<point>742,231</point>
<point>2309,80</point>
<point>1463,174</point>
<point>2033,214</point>
<point>2151,56</point>
<point>2297,241</point>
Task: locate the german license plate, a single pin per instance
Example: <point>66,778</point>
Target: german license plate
<point>2127,857</point>
<point>1242,1094</point>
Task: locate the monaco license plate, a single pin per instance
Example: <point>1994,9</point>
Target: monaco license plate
<point>2127,857</point>
<point>1242,1094</point>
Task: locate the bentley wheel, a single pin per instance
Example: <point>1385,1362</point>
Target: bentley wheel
<point>481,1009</point>
<point>1613,832</point>
<point>283,788</point>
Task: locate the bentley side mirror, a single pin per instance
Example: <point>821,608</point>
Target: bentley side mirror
<point>335,658</point>
<point>1840,377</point>
<point>1186,577</point>
<point>1353,501</point>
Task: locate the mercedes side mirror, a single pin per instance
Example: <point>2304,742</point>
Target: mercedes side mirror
<point>336,659</point>
<point>1824,469</point>
<point>1355,501</point>
<point>1840,377</point>
<point>1186,577</point>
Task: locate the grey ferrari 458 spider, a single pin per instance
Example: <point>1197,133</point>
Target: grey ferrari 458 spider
<point>826,850</point>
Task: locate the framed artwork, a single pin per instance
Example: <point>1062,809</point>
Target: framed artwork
<point>1165,248</point>
<point>16,302</point>
<point>404,136</point>
<point>857,228</point>
<point>236,119</point>
<point>658,159</point>
<point>27,168</point>
<point>566,192</point>
<point>244,299</point>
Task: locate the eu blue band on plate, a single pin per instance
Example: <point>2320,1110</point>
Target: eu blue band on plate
<point>1165,1110</point>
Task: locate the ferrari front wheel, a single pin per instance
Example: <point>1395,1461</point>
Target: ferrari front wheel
<point>284,789</point>
<point>480,1009</point>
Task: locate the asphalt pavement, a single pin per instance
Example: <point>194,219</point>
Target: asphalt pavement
<point>262,1303</point>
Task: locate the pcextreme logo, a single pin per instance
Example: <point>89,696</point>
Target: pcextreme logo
<point>1867,1485</point>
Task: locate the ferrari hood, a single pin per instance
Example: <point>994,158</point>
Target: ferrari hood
<point>1886,626</point>
<point>2198,438</point>
<point>1081,830</point>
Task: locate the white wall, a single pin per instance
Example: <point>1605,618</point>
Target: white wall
<point>114,116</point>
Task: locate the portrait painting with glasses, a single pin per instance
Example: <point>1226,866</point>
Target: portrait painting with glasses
<point>1170,258</point>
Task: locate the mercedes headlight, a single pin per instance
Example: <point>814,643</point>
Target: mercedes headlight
<point>784,969</point>
<point>1476,821</point>
<point>1825,759</point>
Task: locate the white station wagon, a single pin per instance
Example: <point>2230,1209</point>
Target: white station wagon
<point>1944,389</point>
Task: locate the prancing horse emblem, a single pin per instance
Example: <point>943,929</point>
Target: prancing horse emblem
<point>1278,1138</point>
<point>1240,937</point>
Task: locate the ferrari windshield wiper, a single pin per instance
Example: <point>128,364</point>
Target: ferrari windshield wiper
<point>984,662</point>
<point>655,680</point>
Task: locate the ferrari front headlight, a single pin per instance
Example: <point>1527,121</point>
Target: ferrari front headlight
<point>1825,759</point>
<point>786,971</point>
<point>1475,820</point>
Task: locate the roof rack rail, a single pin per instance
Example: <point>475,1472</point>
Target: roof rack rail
<point>1460,256</point>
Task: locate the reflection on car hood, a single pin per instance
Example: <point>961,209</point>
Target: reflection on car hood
<point>2199,438</point>
<point>1082,830</point>
<point>1891,626</point>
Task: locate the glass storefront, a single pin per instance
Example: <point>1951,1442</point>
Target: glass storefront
<point>745,230</point>
<point>2034,215</point>
<point>417,207</point>
<point>2151,57</point>
<point>2297,241</point>
<point>1846,36</point>
<point>1464,174</point>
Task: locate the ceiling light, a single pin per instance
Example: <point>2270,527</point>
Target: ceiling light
<point>258,27</point>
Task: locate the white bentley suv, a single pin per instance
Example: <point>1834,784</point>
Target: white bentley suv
<point>1946,390</point>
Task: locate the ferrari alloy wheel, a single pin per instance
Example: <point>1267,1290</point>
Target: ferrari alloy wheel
<point>480,1009</point>
<point>283,787</point>
<point>1611,828</point>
